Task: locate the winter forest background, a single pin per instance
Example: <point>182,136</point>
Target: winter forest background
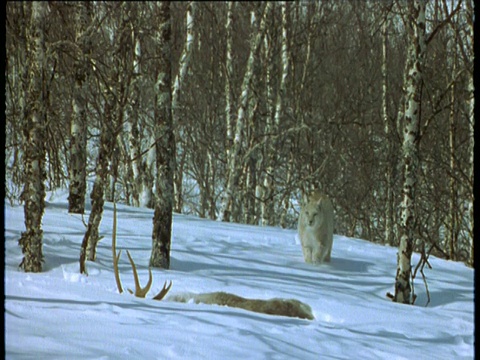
<point>268,101</point>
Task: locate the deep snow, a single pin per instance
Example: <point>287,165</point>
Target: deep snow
<point>60,314</point>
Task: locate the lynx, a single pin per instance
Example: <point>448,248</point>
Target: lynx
<point>315,228</point>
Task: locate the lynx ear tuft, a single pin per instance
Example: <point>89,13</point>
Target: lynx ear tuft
<point>305,199</point>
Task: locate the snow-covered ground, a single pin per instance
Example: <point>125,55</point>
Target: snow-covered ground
<point>60,314</point>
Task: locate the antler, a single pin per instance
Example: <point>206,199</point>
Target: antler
<point>116,258</point>
<point>163,292</point>
<point>139,291</point>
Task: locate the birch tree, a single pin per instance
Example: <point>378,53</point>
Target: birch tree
<point>102,170</point>
<point>470,111</point>
<point>165,144</point>
<point>135,159</point>
<point>78,134</point>
<point>415,58</point>
<point>389,205</point>
<point>16,95</point>
<point>339,124</point>
<point>471,142</point>
<point>113,111</point>
<point>228,78</point>
<point>234,169</point>
<point>177,90</point>
<point>34,140</point>
<point>267,208</point>
<point>141,148</point>
<point>471,146</point>
<point>453,233</point>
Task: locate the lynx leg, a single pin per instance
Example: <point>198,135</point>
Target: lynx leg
<point>328,255</point>
<point>328,252</point>
<point>319,255</point>
<point>307,254</point>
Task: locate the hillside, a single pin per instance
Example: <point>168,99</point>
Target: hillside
<point>62,314</point>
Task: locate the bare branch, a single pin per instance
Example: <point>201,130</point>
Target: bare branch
<point>139,291</point>
<point>421,264</point>
<point>84,222</point>
<point>163,292</point>
<point>447,20</point>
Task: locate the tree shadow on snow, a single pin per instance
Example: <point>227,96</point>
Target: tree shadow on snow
<point>444,297</point>
<point>348,265</point>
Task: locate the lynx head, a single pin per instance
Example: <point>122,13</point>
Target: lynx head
<point>312,209</point>
<point>312,212</point>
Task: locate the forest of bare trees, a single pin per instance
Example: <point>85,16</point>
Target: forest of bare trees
<point>233,110</point>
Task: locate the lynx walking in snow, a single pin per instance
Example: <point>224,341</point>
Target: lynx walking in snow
<point>315,228</point>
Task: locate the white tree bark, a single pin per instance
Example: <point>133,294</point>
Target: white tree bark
<point>102,171</point>
<point>111,120</point>
<point>471,90</point>
<point>471,117</point>
<point>452,238</point>
<point>228,78</point>
<point>389,234</point>
<point>267,209</point>
<point>177,88</point>
<point>165,145</point>
<point>266,185</point>
<point>34,142</point>
<point>133,131</point>
<point>78,132</point>
<point>415,58</point>
<point>185,57</point>
<point>234,169</point>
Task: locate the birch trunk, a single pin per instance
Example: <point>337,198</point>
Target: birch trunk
<point>135,162</point>
<point>471,115</point>
<point>177,89</point>
<point>251,161</point>
<point>228,78</point>
<point>415,57</point>
<point>288,192</point>
<point>78,131</point>
<point>471,118</point>
<point>268,214</point>
<point>212,212</point>
<point>114,104</point>
<point>250,186</point>
<point>266,205</point>
<point>452,183</point>
<point>389,234</point>
<point>165,146</point>
<point>234,169</point>
<point>34,142</point>
<point>185,58</point>
<point>146,196</point>
<point>107,141</point>
<point>178,178</point>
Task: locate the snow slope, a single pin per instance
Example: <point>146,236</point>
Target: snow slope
<point>60,314</point>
